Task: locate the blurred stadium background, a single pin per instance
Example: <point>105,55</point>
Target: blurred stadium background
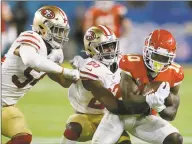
<point>46,106</point>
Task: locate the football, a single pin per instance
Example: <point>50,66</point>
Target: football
<point>150,88</point>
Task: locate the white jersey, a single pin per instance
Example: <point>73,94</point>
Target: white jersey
<point>17,78</point>
<point>81,99</point>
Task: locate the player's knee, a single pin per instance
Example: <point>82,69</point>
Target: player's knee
<point>174,138</point>
<point>73,131</point>
<point>21,139</point>
<point>124,139</point>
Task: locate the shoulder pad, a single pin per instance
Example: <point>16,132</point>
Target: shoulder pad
<point>178,73</point>
<point>31,38</point>
<point>128,63</point>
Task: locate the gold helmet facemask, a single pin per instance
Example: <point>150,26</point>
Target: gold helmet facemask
<point>52,24</point>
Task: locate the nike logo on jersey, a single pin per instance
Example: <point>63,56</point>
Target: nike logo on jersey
<point>90,69</point>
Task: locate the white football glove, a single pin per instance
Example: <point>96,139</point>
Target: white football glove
<point>56,56</point>
<point>76,62</point>
<point>156,100</point>
<point>163,91</point>
<point>72,74</point>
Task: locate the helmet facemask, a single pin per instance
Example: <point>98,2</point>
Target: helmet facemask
<point>52,24</point>
<point>158,59</point>
<point>106,52</point>
<point>57,35</point>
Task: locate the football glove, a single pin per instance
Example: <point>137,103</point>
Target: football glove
<point>156,100</point>
<point>71,74</point>
<point>76,62</point>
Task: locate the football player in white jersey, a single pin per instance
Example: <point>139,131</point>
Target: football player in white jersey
<point>31,56</point>
<point>98,74</point>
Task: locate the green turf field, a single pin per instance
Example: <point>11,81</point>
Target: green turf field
<point>46,108</point>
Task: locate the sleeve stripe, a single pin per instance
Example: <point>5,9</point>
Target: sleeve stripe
<point>85,78</point>
<point>83,72</point>
<point>28,35</point>
<point>29,41</point>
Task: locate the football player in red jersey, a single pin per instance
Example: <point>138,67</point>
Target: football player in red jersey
<point>110,14</point>
<point>156,65</point>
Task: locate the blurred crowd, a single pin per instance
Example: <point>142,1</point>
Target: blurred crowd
<point>124,18</point>
<point>13,23</point>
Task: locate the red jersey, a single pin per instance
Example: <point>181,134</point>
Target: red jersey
<point>134,64</point>
<point>110,18</point>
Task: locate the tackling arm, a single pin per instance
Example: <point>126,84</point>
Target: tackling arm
<point>107,98</point>
<point>32,59</point>
<point>60,79</point>
<point>102,94</point>
<point>172,104</point>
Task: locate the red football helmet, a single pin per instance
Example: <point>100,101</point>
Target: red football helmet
<point>159,50</point>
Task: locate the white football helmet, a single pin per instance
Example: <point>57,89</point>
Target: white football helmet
<point>101,43</point>
<point>52,24</point>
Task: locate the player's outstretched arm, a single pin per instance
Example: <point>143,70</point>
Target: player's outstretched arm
<point>107,98</point>
<point>60,79</point>
<point>172,104</point>
<point>32,59</point>
<point>102,94</point>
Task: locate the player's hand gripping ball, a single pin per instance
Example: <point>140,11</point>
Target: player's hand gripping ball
<point>156,93</point>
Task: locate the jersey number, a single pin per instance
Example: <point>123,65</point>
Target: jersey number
<point>94,64</point>
<point>95,104</point>
<point>175,67</point>
<point>133,58</point>
<point>30,79</point>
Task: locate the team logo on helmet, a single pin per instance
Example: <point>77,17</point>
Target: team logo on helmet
<point>90,35</point>
<point>48,13</point>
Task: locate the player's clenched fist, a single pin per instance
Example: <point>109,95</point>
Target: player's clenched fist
<point>76,61</point>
